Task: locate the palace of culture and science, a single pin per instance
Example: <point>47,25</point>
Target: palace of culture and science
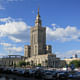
<point>38,52</point>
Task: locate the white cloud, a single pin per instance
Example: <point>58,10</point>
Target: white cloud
<point>6,44</point>
<point>3,3</point>
<point>15,30</point>
<point>11,48</point>
<point>68,54</point>
<point>14,49</point>
<point>63,34</point>
<point>9,19</point>
<point>19,31</point>
<point>15,39</point>
<point>54,26</point>
<point>72,52</point>
<point>2,54</point>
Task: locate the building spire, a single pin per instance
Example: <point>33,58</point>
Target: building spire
<point>38,16</point>
<point>38,12</point>
<point>38,20</point>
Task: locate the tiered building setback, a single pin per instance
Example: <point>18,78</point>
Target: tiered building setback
<point>38,52</point>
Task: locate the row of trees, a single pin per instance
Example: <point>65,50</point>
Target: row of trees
<point>73,64</point>
<point>76,63</point>
<point>23,63</point>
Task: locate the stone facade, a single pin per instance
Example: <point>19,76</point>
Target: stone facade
<point>10,60</point>
<point>49,60</point>
<point>38,40</point>
<point>27,50</point>
<point>48,49</point>
<point>75,57</point>
<point>38,52</point>
<point>72,59</point>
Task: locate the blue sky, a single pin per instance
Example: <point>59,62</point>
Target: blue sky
<point>60,17</point>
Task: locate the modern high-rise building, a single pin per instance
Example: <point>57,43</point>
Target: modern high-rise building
<point>38,52</point>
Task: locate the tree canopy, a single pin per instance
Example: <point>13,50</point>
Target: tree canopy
<point>27,63</point>
<point>76,63</point>
<point>22,63</point>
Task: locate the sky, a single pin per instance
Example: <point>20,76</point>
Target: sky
<point>60,17</point>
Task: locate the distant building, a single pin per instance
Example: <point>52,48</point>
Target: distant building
<point>11,60</point>
<point>75,57</point>
<point>38,52</point>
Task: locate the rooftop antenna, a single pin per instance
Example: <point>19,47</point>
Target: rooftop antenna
<point>38,8</point>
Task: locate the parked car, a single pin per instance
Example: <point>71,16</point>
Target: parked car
<point>54,74</point>
<point>48,75</point>
<point>8,71</point>
<point>20,72</point>
<point>38,73</point>
<point>1,69</point>
<point>76,75</point>
<point>32,72</point>
<point>62,75</point>
<point>26,73</point>
<point>15,71</point>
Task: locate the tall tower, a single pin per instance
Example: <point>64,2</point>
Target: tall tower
<point>38,37</point>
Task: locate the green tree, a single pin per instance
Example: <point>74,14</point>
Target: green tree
<point>39,65</point>
<point>27,63</point>
<point>76,63</point>
<point>32,63</point>
<point>46,62</point>
<point>22,63</point>
<point>14,65</point>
